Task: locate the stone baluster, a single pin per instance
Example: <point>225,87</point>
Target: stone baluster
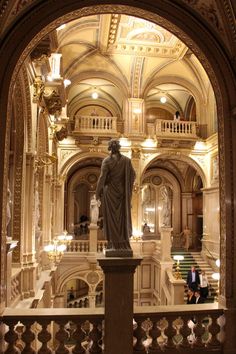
<point>170,332</point>
<point>11,337</point>
<point>199,331</point>
<point>44,337</point>
<point>28,337</point>
<point>185,331</point>
<point>214,329</point>
<point>79,336</point>
<point>61,335</point>
<point>139,334</point>
<point>95,335</point>
<point>154,333</point>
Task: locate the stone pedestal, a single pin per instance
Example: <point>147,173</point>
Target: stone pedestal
<point>166,243</point>
<point>93,237</point>
<point>119,274</point>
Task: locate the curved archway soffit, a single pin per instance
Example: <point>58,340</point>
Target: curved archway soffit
<point>172,79</point>
<point>178,157</point>
<point>78,157</point>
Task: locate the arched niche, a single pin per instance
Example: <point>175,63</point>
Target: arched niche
<point>151,204</point>
<point>80,189</point>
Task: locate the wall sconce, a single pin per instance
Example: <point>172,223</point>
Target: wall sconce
<point>178,258</point>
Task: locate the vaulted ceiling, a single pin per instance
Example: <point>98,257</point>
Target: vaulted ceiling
<point>120,57</point>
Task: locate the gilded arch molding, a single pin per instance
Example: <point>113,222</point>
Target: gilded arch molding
<point>178,157</point>
<point>222,81</point>
<point>77,157</point>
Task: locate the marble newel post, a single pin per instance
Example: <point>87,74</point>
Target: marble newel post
<point>119,273</point>
<point>166,243</point>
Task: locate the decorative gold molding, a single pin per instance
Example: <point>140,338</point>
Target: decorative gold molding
<point>114,24</point>
<point>136,76</point>
<point>18,164</point>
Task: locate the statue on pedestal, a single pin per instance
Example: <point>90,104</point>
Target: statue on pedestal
<point>94,210</point>
<point>166,206</point>
<point>114,187</point>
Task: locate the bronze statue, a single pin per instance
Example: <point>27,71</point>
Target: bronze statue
<point>114,187</point>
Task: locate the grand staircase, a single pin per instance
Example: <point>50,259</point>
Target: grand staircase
<point>196,259</point>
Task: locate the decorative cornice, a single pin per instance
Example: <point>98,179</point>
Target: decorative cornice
<point>114,24</point>
<point>147,50</point>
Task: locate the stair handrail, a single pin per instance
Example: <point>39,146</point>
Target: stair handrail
<point>203,244</point>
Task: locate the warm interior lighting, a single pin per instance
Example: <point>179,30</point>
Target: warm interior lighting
<point>58,246</point>
<point>67,82</point>
<point>150,209</point>
<point>124,142</point>
<point>163,99</point>
<point>178,258</point>
<point>137,110</point>
<point>216,276</point>
<point>94,95</point>
<point>149,143</point>
<point>65,236</point>
<point>61,27</point>
<point>218,262</point>
<point>137,234</point>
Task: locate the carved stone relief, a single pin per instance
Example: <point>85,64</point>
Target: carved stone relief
<point>18,166</point>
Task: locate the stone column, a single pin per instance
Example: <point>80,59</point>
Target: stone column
<point>47,208</point>
<point>58,225</point>
<point>119,273</point>
<point>166,243</point>
<point>28,242</point>
<point>187,211</point>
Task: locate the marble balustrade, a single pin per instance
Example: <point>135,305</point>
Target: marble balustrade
<point>78,330</point>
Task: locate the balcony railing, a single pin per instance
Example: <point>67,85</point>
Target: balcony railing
<point>83,246</point>
<point>98,124</point>
<point>169,128</point>
<point>82,330</point>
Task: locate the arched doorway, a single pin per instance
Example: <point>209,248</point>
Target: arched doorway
<point>219,67</point>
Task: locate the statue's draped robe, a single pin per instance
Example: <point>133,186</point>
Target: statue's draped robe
<point>115,185</point>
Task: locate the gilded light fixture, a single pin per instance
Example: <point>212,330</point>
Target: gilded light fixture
<point>58,246</point>
<point>178,258</point>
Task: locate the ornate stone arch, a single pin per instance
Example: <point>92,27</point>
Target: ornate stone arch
<point>198,96</point>
<point>180,157</point>
<point>79,272</point>
<point>77,157</point>
<point>183,23</point>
